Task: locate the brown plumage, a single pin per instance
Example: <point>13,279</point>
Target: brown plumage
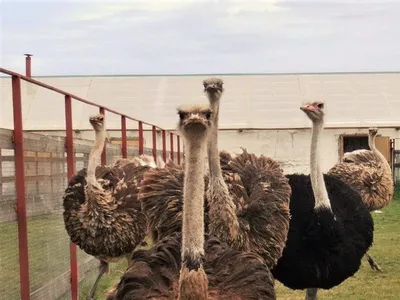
<point>189,265</point>
<point>102,214</point>
<point>261,197</point>
<point>369,173</point>
<point>153,274</point>
<point>252,211</point>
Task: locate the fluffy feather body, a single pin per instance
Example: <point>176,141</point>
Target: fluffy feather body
<point>366,173</point>
<point>232,275</point>
<point>260,193</point>
<point>113,225</point>
<point>161,195</point>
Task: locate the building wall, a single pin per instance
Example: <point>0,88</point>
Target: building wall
<point>267,101</point>
<point>290,147</point>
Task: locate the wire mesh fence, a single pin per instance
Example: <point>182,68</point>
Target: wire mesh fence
<point>48,242</point>
<point>9,275</point>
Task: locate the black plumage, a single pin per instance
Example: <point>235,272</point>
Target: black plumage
<point>324,249</point>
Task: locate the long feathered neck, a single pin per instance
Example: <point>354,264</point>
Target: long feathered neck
<point>212,145</point>
<point>317,177</point>
<point>94,157</point>
<point>222,209</point>
<point>372,146</point>
<point>193,280</point>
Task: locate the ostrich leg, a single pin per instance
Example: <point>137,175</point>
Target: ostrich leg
<point>372,263</point>
<point>311,294</point>
<point>103,269</point>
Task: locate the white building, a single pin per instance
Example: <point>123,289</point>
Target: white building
<point>258,112</point>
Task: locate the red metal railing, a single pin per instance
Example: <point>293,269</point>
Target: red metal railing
<point>20,173</point>
<point>171,143</point>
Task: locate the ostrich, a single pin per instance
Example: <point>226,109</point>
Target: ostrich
<point>101,212</point>
<point>249,197</point>
<point>369,173</point>
<point>191,265</point>
<point>330,229</point>
<point>255,207</point>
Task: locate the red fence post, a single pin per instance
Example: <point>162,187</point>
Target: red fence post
<point>164,145</point>
<point>124,149</point>
<point>69,144</point>
<point>28,65</point>
<point>178,149</point>
<point>154,133</point>
<point>171,142</point>
<point>141,149</point>
<point>104,153</point>
<point>20,189</point>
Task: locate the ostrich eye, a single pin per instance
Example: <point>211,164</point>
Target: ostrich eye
<point>321,105</point>
<point>208,115</point>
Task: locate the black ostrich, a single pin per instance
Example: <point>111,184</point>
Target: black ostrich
<point>330,229</point>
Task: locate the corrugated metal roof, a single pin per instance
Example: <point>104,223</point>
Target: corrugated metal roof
<point>250,101</point>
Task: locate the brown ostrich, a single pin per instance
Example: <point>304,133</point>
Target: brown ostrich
<point>190,265</point>
<point>369,173</point>
<point>249,197</point>
<point>255,207</point>
<point>101,212</point>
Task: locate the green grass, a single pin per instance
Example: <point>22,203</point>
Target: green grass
<point>106,282</point>
<point>368,284</point>
<point>48,245</point>
<point>49,258</point>
<point>365,285</point>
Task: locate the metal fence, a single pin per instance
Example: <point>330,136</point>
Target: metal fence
<point>37,260</point>
<point>396,161</point>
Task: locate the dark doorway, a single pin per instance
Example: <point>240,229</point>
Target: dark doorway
<point>351,143</point>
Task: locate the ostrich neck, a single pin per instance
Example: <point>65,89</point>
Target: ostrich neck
<point>94,157</point>
<point>193,204</point>
<point>372,146</point>
<point>317,177</point>
<point>212,148</point>
<point>224,222</point>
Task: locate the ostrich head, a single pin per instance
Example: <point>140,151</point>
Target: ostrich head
<point>194,121</point>
<point>213,86</point>
<point>373,131</point>
<point>314,110</point>
<point>97,122</point>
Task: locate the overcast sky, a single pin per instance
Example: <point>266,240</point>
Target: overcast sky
<point>200,36</point>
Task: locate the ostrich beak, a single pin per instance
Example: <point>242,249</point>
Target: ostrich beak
<point>307,107</point>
